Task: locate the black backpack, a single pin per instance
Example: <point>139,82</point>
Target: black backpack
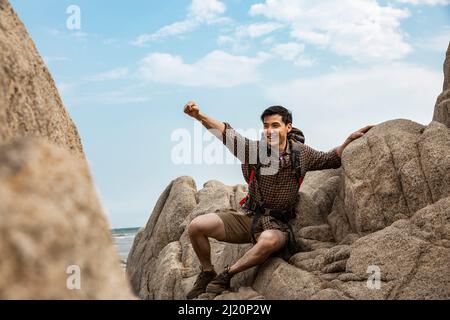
<point>297,137</point>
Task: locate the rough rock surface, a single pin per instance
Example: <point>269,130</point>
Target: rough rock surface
<point>442,107</point>
<point>398,168</point>
<point>30,104</point>
<point>51,219</point>
<point>174,205</point>
<point>55,241</point>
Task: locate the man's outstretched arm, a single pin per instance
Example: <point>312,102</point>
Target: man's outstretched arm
<point>241,147</point>
<point>355,135</point>
<point>192,109</point>
<point>319,160</point>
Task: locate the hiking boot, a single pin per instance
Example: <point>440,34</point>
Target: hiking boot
<point>200,284</point>
<point>220,283</point>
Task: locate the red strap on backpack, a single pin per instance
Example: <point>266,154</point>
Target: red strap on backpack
<point>252,174</point>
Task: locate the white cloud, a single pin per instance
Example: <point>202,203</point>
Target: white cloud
<point>114,74</point>
<point>313,37</point>
<point>132,94</point>
<point>293,51</point>
<point>112,98</point>
<point>437,43</point>
<point>305,62</point>
<point>289,51</point>
<point>236,45</point>
<point>256,30</point>
<point>79,34</point>
<point>425,2</point>
<point>198,13</point>
<point>331,106</point>
<point>221,40</point>
<point>206,10</point>
<point>239,39</point>
<point>268,41</point>
<point>216,69</point>
<point>363,29</point>
<point>174,29</point>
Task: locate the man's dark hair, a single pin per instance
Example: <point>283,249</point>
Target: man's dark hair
<point>285,114</point>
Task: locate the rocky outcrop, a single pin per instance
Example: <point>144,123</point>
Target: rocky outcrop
<point>55,241</point>
<point>53,232</point>
<point>165,224</point>
<point>169,270</point>
<point>29,101</point>
<point>413,255</point>
<point>386,208</point>
<point>398,168</point>
<point>164,241</point>
<point>442,107</point>
<point>376,228</point>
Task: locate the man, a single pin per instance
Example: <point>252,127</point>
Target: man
<point>274,179</point>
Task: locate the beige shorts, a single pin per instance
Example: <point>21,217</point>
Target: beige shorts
<point>238,226</point>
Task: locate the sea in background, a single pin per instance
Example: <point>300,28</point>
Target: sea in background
<point>123,239</point>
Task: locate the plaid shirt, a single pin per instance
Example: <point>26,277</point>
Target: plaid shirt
<point>280,189</point>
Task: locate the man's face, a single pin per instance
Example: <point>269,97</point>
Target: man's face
<point>275,130</point>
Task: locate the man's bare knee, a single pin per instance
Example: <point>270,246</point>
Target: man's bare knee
<point>209,225</point>
<point>271,240</point>
<point>194,226</point>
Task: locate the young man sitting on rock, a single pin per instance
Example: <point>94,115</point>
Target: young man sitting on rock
<point>273,168</point>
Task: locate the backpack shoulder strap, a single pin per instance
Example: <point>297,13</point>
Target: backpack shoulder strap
<point>296,151</point>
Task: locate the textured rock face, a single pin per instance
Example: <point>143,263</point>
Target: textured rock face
<point>55,241</point>
<point>169,254</point>
<point>414,254</point>
<point>29,101</point>
<point>442,108</point>
<point>50,219</point>
<point>163,228</point>
<point>397,169</point>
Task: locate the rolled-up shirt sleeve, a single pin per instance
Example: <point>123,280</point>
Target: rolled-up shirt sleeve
<point>319,160</point>
<point>244,149</point>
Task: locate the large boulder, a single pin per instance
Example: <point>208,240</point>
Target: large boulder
<point>53,228</point>
<point>279,280</point>
<point>442,107</point>
<point>55,241</point>
<point>413,256</point>
<point>164,227</point>
<point>29,101</point>
<point>397,168</point>
<point>163,247</point>
<point>162,263</point>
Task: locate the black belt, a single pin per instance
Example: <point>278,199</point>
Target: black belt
<point>281,215</point>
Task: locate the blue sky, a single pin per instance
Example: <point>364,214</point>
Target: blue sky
<point>127,72</point>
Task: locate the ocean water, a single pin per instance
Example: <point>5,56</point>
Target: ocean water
<point>123,239</point>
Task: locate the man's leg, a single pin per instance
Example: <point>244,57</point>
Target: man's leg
<point>269,241</point>
<point>202,227</point>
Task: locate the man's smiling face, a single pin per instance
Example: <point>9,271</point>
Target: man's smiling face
<point>275,130</point>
